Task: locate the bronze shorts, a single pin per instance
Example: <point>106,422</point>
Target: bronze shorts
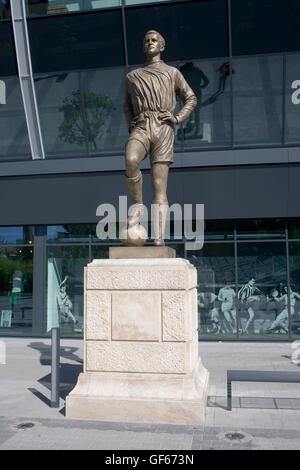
<point>156,136</point>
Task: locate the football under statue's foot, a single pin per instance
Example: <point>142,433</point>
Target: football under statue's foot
<point>159,242</point>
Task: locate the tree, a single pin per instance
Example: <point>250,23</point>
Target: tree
<point>85,116</point>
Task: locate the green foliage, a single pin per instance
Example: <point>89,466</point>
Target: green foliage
<point>85,116</point>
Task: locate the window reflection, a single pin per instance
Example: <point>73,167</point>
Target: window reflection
<point>16,280</point>
<point>82,112</point>
<point>69,233</point>
<point>209,123</point>
<point>14,142</point>
<point>4,9</point>
<point>12,235</point>
<point>52,7</point>
<point>103,97</point>
<point>257,100</point>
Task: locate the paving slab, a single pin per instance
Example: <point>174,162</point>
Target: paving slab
<point>268,413</point>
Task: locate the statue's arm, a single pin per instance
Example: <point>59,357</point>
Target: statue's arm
<point>187,96</point>
<point>127,107</point>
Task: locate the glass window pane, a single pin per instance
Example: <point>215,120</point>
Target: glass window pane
<point>7,50</point>
<point>65,288</point>
<point>294,260</point>
<point>13,235</point>
<point>198,29</point>
<point>52,7</point>
<point>68,233</point>
<point>4,9</point>
<point>16,271</point>
<point>141,2</point>
<point>257,100</point>
<point>103,98</point>
<point>218,230</point>
<point>61,114</point>
<point>216,289</point>
<point>262,26</point>
<point>262,281</point>
<point>210,122</point>
<point>261,228</point>
<point>292,99</point>
<point>100,251</point>
<point>14,141</point>
<point>294,228</point>
<point>88,40</point>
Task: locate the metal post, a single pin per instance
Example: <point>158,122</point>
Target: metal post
<point>229,399</point>
<point>55,365</point>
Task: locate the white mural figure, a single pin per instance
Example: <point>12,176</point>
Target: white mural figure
<point>246,296</point>
<point>64,302</point>
<point>207,300</point>
<point>281,321</point>
<point>227,296</point>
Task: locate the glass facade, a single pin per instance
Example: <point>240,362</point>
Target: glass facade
<point>80,61</point>
<point>248,278</point>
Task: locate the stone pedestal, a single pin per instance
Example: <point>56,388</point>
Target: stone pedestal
<point>141,358</point>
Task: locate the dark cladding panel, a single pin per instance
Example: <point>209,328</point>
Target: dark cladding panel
<point>79,41</point>
<point>228,193</point>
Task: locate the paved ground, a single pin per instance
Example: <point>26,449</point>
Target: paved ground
<point>264,416</point>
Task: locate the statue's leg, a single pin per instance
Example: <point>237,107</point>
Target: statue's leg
<point>135,153</point>
<point>160,173</point>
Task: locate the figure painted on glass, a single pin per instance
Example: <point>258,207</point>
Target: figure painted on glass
<point>281,322</point>
<point>64,302</point>
<point>248,294</point>
<point>207,301</point>
<point>227,298</point>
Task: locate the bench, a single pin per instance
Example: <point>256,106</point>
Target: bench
<point>258,376</point>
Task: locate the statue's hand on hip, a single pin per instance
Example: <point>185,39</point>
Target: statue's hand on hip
<point>168,116</point>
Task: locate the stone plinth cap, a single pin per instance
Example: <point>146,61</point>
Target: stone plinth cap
<point>132,274</point>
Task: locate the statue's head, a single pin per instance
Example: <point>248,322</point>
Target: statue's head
<point>153,43</point>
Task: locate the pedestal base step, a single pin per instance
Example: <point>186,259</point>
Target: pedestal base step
<point>159,398</point>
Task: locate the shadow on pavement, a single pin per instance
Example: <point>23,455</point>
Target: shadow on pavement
<point>66,352</point>
<point>68,372</point>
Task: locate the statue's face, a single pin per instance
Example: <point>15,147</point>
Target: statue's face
<point>152,45</point>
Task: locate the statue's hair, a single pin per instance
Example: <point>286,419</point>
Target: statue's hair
<point>160,37</point>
